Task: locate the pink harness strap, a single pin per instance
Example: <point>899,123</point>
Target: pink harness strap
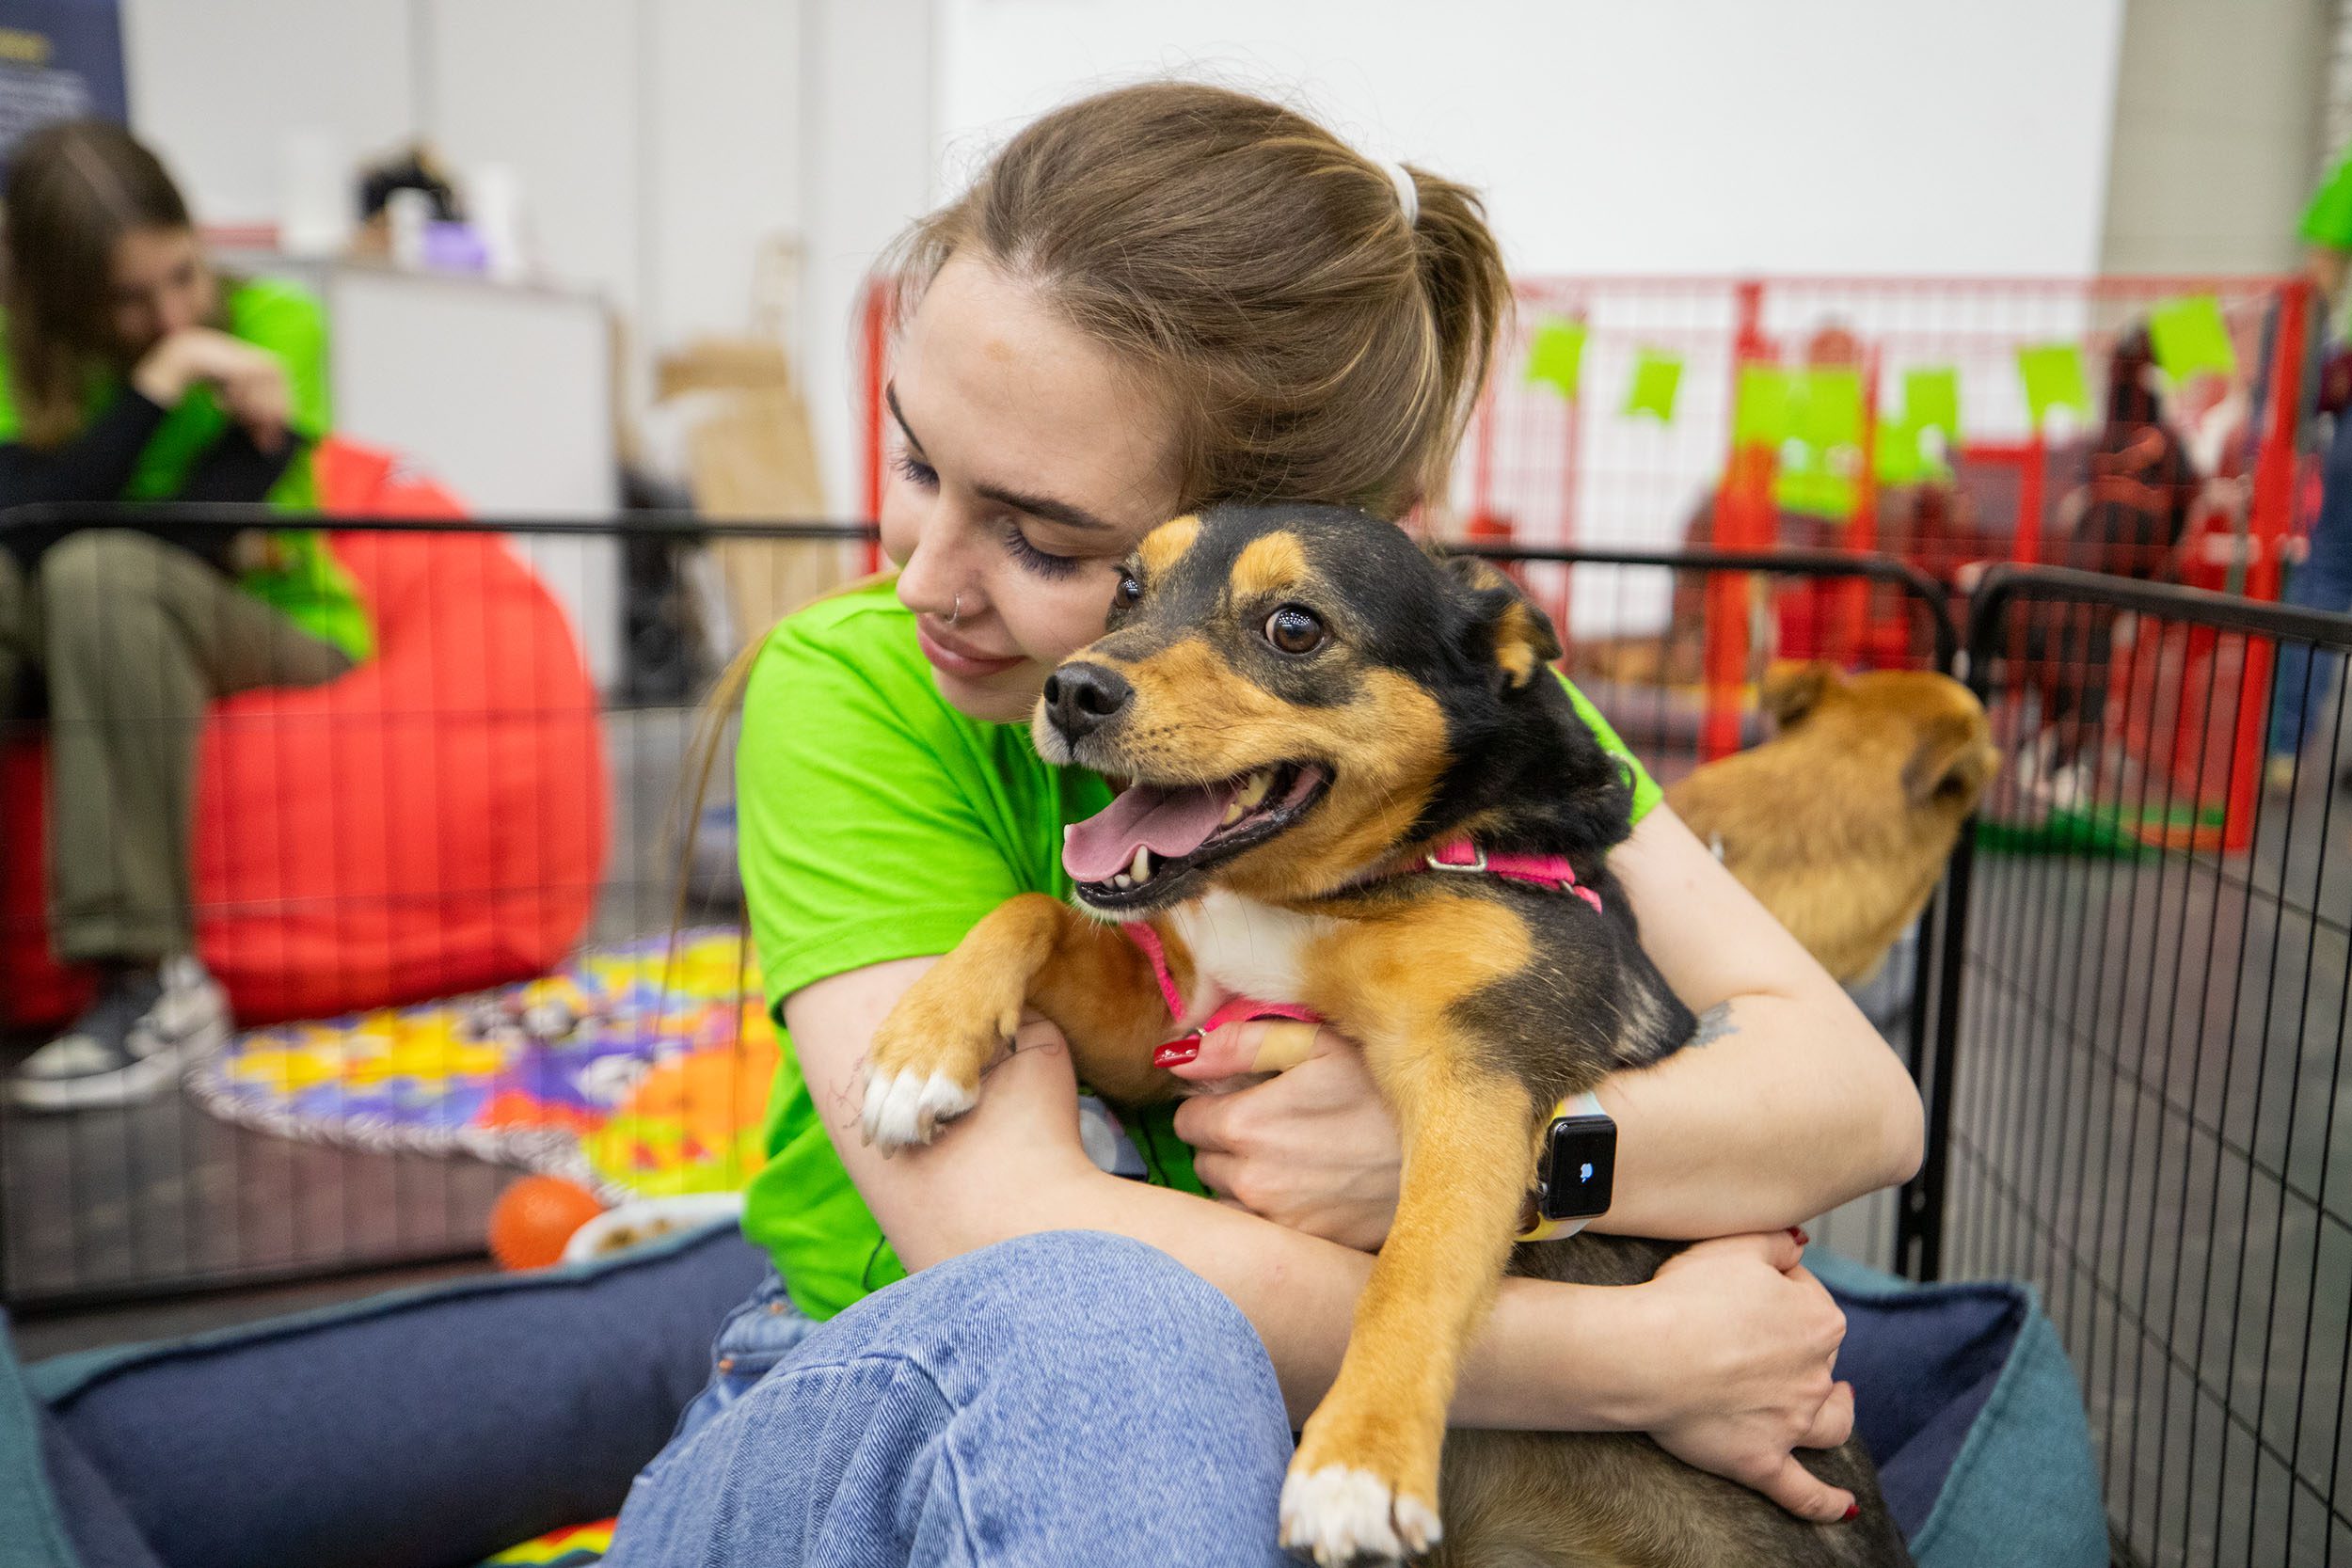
<point>1552,871</point>
<point>1141,933</point>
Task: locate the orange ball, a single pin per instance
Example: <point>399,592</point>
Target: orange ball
<point>533,1218</point>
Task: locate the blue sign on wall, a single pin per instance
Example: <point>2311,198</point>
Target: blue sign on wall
<point>59,59</point>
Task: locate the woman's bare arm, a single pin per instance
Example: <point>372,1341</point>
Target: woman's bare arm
<point>1786,1103</point>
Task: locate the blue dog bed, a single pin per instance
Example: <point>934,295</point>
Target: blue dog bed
<point>491,1411</point>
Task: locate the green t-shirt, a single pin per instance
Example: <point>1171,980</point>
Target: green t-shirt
<point>306,585</point>
<point>877,823</point>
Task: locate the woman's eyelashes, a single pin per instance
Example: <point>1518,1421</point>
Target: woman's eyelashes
<point>1043,563</point>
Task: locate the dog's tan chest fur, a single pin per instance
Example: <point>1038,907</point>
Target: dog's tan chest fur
<point>1241,947</point>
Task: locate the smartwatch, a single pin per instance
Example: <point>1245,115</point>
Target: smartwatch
<point>1575,1170</point>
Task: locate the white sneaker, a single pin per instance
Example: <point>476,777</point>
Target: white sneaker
<point>129,1044</point>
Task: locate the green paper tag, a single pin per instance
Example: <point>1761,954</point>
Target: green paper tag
<point>1931,401</point>
<point>1760,415</point>
<point>1555,356</point>
<point>1825,407</point>
<point>1657,377</point>
<point>1911,454</point>
<point>2053,377</point>
<point>2190,338</point>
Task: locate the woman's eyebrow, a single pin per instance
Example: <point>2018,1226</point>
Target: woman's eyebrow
<point>1044,507</point>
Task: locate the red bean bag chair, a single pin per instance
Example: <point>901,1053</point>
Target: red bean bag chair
<point>432,822</point>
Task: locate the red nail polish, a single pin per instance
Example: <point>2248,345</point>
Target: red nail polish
<point>1177,1053</point>
<point>1853,1512</point>
<point>1796,1233</point>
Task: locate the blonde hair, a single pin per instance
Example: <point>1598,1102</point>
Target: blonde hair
<point>1320,342</point>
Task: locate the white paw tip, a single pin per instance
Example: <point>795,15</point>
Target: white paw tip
<point>1345,1515</point>
<point>943,1099</point>
<point>1417,1524</point>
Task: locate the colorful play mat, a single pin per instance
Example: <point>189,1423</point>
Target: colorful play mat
<point>640,1070</point>
<point>576,1547</point>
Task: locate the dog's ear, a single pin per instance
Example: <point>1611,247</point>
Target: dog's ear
<point>1505,626</point>
<point>1951,762</point>
<point>1791,690</point>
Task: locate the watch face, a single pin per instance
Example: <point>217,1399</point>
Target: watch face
<point>1580,1167</point>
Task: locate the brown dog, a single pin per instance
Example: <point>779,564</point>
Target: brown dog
<point>1841,822</point>
<point>1355,785</point>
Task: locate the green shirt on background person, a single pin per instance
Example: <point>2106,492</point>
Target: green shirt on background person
<point>879,823</point>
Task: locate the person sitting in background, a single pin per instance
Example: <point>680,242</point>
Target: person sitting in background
<point>2126,517</point>
<point>135,371</point>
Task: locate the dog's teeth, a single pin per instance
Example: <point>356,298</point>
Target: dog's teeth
<point>1233,813</point>
<point>1122,879</point>
<point>1141,869</point>
<point>1254,791</point>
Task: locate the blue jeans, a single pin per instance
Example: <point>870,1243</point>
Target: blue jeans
<point>2323,581</point>
<point>977,1414</point>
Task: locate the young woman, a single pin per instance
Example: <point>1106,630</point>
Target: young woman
<point>136,373</point>
<point>1155,298</point>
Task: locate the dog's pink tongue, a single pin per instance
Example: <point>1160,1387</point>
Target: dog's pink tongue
<point>1169,822</point>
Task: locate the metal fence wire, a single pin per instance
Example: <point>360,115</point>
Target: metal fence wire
<point>2138,1082</point>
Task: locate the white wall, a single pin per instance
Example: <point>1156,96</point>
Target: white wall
<point>1807,136</point>
<point>868,161</point>
<point>657,141</point>
<point>217,84</point>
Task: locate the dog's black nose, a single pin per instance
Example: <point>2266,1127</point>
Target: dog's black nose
<point>1082,697</point>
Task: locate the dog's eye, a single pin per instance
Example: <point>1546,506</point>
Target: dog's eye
<point>1129,592</point>
<point>1295,630</point>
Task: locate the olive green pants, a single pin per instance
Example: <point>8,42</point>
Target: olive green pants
<point>128,638</point>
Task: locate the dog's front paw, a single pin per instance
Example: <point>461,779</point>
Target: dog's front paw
<point>1341,1516</point>
<point>906,1107</point>
<point>923,1069</point>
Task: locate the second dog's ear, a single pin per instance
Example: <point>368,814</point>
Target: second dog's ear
<point>1519,637</point>
<point>1791,690</point>
<point>1951,762</point>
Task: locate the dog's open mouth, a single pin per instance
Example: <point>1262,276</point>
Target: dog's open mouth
<point>1152,838</point>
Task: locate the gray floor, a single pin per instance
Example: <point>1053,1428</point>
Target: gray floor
<point>2147,1128</point>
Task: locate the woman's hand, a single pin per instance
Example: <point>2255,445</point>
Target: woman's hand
<point>249,381</point>
<point>1745,1340</point>
<point>1313,1149</point>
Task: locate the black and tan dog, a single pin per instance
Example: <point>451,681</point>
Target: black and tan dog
<point>1309,707</point>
